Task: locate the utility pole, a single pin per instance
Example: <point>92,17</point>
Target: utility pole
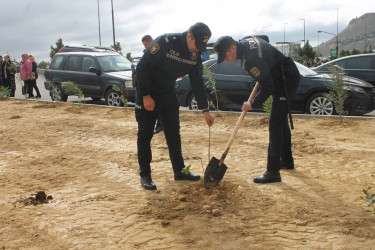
<point>113,26</point>
<point>304,31</point>
<point>100,38</point>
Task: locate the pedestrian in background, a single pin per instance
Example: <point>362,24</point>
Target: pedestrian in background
<point>1,70</point>
<point>26,73</point>
<point>146,41</point>
<point>34,76</point>
<point>9,73</point>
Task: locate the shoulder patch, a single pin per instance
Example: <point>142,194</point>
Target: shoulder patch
<point>193,56</point>
<point>255,71</point>
<point>155,48</point>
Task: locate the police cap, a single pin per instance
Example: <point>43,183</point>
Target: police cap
<point>201,34</point>
<point>221,47</point>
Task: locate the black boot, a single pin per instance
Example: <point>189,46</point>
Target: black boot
<point>188,177</point>
<point>268,177</point>
<point>285,164</point>
<point>147,183</point>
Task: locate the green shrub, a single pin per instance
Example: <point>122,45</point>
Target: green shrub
<point>72,87</point>
<point>337,93</point>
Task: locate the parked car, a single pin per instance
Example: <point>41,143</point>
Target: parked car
<point>358,66</point>
<point>234,86</point>
<point>95,73</point>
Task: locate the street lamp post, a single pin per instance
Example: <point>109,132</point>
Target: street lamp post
<point>337,41</point>
<point>113,26</point>
<point>284,39</point>
<point>337,32</point>
<point>100,39</point>
<point>304,33</point>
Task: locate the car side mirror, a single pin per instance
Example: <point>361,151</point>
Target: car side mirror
<point>94,70</point>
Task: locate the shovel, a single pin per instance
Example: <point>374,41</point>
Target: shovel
<point>216,168</point>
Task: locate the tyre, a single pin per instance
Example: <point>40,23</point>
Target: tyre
<point>318,104</point>
<point>193,104</point>
<point>57,93</point>
<point>113,98</point>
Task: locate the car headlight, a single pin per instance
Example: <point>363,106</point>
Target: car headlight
<point>129,84</point>
<point>354,89</point>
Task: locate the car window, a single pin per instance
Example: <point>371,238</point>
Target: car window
<point>305,71</point>
<point>362,62</point>
<point>73,63</point>
<point>87,62</point>
<point>57,62</point>
<point>114,63</point>
<point>227,68</point>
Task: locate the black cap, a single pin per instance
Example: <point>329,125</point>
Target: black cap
<point>201,34</point>
<point>221,47</point>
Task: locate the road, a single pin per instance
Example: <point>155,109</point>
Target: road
<point>45,94</point>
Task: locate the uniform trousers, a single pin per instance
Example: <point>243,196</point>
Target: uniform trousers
<point>280,145</point>
<point>167,108</point>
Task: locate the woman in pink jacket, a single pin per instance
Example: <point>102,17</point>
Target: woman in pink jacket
<point>26,74</point>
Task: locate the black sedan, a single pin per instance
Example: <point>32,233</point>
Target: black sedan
<point>234,86</point>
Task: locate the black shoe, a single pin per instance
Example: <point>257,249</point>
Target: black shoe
<point>286,164</point>
<point>268,177</point>
<point>147,183</point>
<point>158,129</point>
<point>188,177</point>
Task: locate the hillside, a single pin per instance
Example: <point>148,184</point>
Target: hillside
<point>360,35</point>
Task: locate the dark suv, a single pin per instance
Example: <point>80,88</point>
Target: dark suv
<point>94,72</point>
<point>358,66</point>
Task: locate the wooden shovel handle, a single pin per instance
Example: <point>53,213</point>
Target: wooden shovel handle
<point>231,139</point>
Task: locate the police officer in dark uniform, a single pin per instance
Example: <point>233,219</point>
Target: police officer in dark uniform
<point>278,76</point>
<point>168,57</point>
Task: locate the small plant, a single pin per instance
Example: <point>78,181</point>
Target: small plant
<point>4,92</point>
<point>73,88</point>
<point>213,83</point>
<point>337,92</point>
<point>369,197</point>
<point>124,100</point>
<point>186,170</point>
<point>267,106</point>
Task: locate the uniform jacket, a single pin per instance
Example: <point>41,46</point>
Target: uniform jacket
<point>166,59</point>
<point>262,62</point>
<point>25,68</point>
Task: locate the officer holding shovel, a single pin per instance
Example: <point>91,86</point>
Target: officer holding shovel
<point>278,76</point>
<point>168,57</point>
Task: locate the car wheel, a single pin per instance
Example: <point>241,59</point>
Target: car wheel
<point>193,104</point>
<point>318,104</point>
<point>113,98</point>
<point>57,93</point>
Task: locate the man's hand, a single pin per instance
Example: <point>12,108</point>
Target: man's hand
<point>210,119</point>
<point>246,106</point>
<point>148,103</point>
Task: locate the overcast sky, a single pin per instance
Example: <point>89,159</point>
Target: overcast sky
<point>33,26</point>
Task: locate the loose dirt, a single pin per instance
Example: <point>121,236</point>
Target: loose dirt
<point>84,158</point>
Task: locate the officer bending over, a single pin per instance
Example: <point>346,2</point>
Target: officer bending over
<point>278,76</point>
<point>168,57</point>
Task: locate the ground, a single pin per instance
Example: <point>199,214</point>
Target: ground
<point>85,159</point>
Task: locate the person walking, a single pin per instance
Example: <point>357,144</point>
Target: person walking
<point>168,57</point>
<point>34,76</point>
<point>26,73</point>
<point>278,76</point>
<point>146,41</point>
<point>9,72</point>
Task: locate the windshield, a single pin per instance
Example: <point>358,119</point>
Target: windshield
<point>114,63</point>
<point>305,71</point>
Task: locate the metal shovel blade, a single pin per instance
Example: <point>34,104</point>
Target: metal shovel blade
<point>214,173</point>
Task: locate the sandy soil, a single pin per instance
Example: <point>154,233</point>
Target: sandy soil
<point>85,158</point>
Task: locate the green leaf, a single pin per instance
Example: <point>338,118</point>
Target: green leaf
<point>186,170</point>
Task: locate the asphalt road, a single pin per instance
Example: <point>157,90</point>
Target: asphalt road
<point>46,97</point>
